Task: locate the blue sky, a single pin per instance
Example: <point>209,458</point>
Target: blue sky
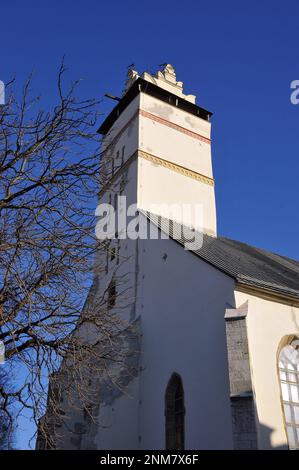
<point>237,57</point>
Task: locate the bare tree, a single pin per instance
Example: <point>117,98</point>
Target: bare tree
<point>49,175</point>
<point>6,415</point>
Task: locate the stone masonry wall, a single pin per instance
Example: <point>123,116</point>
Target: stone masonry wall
<point>242,401</point>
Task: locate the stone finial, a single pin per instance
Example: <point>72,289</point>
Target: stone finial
<point>132,76</point>
<point>165,78</point>
<point>168,74</point>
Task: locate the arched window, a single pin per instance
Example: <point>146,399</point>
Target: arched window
<point>289,384</point>
<point>174,414</point>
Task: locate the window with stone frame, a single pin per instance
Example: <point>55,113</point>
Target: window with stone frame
<point>174,414</point>
<point>288,365</point>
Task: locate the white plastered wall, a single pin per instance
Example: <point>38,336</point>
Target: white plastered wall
<point>172,144</point>
<point>182,305</point>
<point>158,184</point>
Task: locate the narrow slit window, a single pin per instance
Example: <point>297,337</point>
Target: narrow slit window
<point>117,251</point>
<point>112,167</point>
<point>112,256</point>
<point>112,294</point>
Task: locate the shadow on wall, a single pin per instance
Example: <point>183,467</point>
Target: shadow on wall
<point>265,439</point>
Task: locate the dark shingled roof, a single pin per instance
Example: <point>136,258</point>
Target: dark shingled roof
<point>248,265</point>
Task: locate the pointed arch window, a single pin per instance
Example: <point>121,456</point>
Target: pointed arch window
<point>288,364</point>
<point>174,414</point>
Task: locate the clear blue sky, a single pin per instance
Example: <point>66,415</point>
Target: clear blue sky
<point>238,58</point>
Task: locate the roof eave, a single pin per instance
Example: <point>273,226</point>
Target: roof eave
<point>143,86</point>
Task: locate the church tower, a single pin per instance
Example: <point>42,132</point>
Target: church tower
<point>169,137</point>
<point>157,153</point>
<point>168,385</point>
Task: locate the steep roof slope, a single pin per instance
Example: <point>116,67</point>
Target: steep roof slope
<point>248,265</point>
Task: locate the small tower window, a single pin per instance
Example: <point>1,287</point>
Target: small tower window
<point>112,294</point>
<point>112,167</point>
<point>117,251</point>
<point>289,385</point>
<point>174,414</point>
<point>123,155</point>
<point>107,263</point>
<point>112,255</point>
<point>122,184</point>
